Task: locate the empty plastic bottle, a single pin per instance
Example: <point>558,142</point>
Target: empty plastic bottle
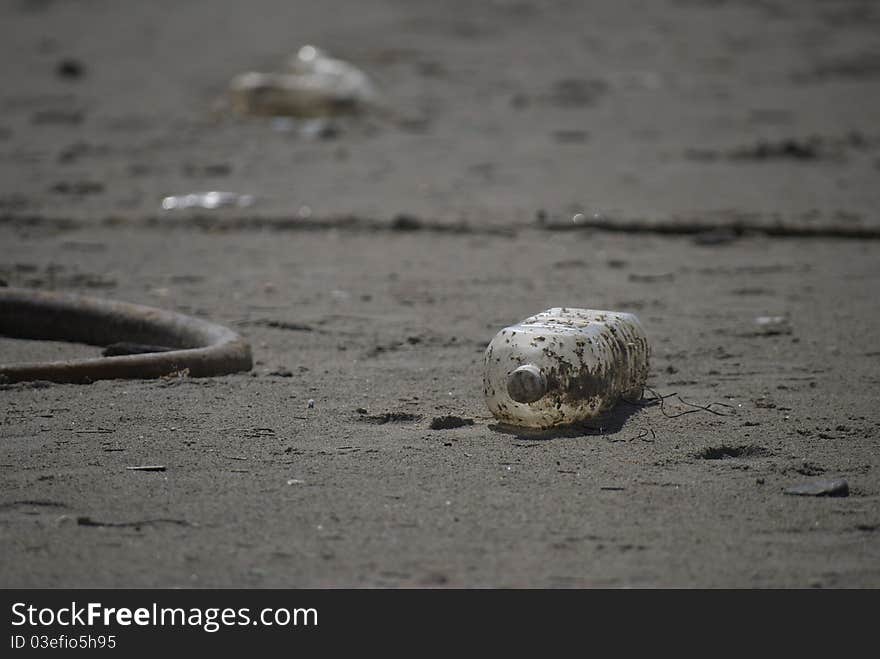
<point>313,85</point>
<point>564,365</point>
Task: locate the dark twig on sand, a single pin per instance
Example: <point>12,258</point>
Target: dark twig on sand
<point>88,521</point>
<point>643,436</point>
<point>697,408</point>
<point>706,408</point>
<point>43,503</point>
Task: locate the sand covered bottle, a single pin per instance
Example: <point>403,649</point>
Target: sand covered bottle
<point>563,366</point>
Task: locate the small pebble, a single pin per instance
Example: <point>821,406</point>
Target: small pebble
<point>311,403</point>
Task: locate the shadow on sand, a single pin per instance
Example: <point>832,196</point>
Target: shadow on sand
<point>609,424</point>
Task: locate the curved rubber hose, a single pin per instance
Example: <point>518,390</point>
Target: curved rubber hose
<point>203,348</point>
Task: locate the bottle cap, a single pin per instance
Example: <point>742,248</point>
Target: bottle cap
<point>526,384</point>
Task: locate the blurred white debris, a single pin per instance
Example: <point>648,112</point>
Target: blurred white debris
<point>838,487</point>
<point>771,325</point>
<point>311,129</point>
<point>208,200</point>
<point>312,85</point>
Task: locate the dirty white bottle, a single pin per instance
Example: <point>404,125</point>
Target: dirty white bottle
<point>563,366</point>
<point>313,85</point>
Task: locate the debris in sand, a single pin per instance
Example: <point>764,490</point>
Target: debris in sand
<point>449,422</point>
<point>256,433</point>
<point>791,148</point>
<point>208,200</point>
<point>772,325</point>
<point>314,84</point>
<point>283,325</point>
<point>661,401</point>
<point>643,436</point>
<point>822,488</point>
<point>42,503</point>
<point>88,521</point>
<point>175,377</point>
<point>739,223</point>
<point>29,314</point>
<point>541,372</point>
<point>147,468</point>
<point>311,403</point>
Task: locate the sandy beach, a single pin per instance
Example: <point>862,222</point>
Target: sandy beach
<point>698,163</point>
